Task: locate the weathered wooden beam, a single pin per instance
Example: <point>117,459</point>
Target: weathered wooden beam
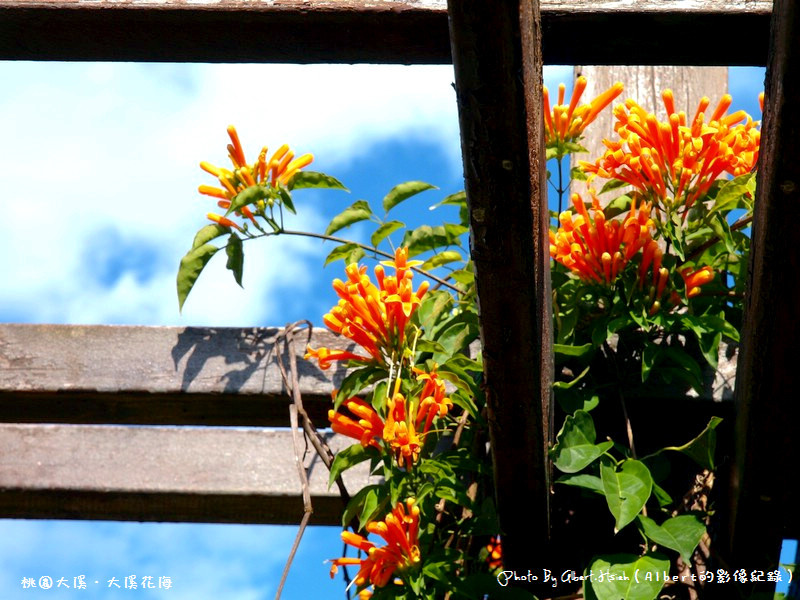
<point>765,498</point>
<point>382,31</point>
<point>155,375</point>
<point>498,68</point>
<point>221,475</point>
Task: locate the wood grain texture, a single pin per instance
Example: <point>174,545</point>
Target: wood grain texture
<point>766,498</point>
<point>222,475</point>
<point>381,31</point>
<point>497,50</point>
<point>155,375</point>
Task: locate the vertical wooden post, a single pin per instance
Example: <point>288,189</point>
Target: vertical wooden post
<point>766,499</point>
<point>496,48</point>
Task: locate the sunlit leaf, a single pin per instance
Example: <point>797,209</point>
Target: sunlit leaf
<point>313,179</point>
<point>626,577</point>
<point>626,490</point>
<point>575,446</point>
<point>681,533</point>
<point>208,233</point>
<point>192,264</point>
<point>235,257</point>
<point>385,230</point>
<point>442,258</point>
<point>358,211</point>
<point>404,191</point>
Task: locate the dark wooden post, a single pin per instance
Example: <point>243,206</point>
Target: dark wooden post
<point>498,68</point>
<point>766,499</point>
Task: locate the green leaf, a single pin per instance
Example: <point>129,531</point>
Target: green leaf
<point>356,381</point>
<point>349,253</point>
<point>612,184</point>
<point>347,458</point>
<point>443,258</point>
<point>626,490</point>
<point>312,179</point>
<point>626,577</point>
<point>358,211</point>
<point>463,276</point>
<point>286,199</point>
<point>575,448</point>
<point>576,351</point>
<point>248,196</point>
<point>235,257</point>
<point>701,449</point>
<point>365,499</point>
<point>208,233</point>
<point>584,480</point>
<point>404,191</point>
<point>732,194</point>
<point>434,306</point>
<point>425,238</point>
<point>681,533</point>
<point>385,230</point>
<point>457,337</point>
<point>457,199</point>
<point>192,264</point>
<point>617,206</point>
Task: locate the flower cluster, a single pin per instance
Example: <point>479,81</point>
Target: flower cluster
<point>565,123</point>
<point>596,249</point>
<point>400,531</point>
<point>407,421</point>
<point>278,170</point>
<point>374,317</point>
<point>675,162</point>
<point>494,553</point>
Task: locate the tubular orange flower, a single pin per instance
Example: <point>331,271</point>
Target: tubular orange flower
<point>597,250</point>
<point>400,434</point>
<point>675,162</point>
<point>694,279</point>
<point>565,123</point>
<point>400,531</point>
<point>278,170</point>
<point>367,430</point>
<point>374,317</point>
<point>433,399</point>
<point>495,556</point>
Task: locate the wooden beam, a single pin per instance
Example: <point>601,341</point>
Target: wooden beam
<point>154,375</point>
<point>498,70</point>
<point>766,499</point>
<point>382,31</point>
<point>220,475</point>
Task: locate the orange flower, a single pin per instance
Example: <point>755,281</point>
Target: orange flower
<point>597,250</point>
<point>696,278</point>
<point>495,553</point>
<point>374,317</point>
<point>433,399</point>
<point>400,531</point>
<point>565,123</point>
<point>278,170</point>
<point>367,430</point>
<point>400,434</point>
<point>675,162</point>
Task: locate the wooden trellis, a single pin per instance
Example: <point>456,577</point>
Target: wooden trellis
<point>497,49</point>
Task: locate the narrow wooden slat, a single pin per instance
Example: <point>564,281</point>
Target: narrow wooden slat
<point>222,475</point>
<point>499,86</point>
<point>154,375</point>
<point>766,497</point>
<point>693,32</point>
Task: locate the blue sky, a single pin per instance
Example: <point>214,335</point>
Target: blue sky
<point>99,176</point>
